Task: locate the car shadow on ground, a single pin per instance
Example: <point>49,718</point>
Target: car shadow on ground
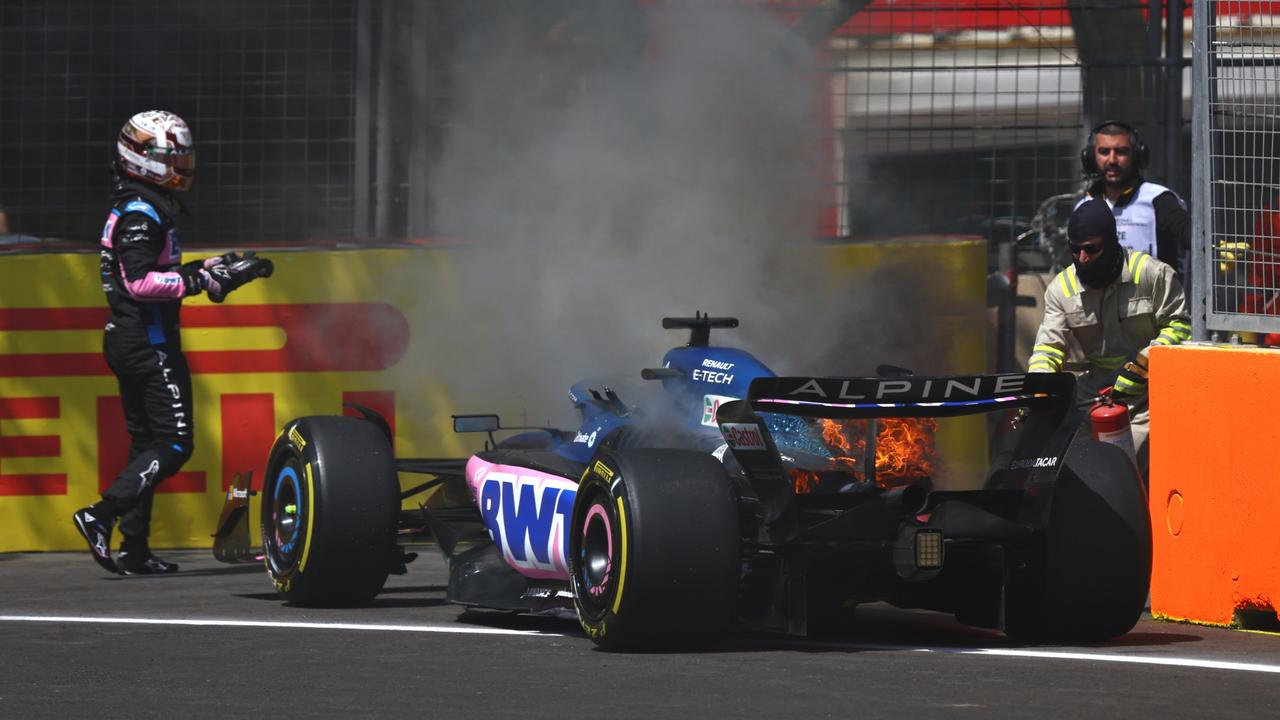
<point>379,602</point>
<point>879,629</point>
<point>203,572</point>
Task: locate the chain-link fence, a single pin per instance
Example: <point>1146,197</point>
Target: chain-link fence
<point>1237,166</point>
<point>969,116</point>
<point>321,120</point>
<point>954,118</point>
<point>267,87</point>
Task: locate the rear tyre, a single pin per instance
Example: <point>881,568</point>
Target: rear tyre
<point>329,505</point>
<point>1088,579</point>
<point>654,549</point>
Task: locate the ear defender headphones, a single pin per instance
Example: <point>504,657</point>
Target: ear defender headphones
<point>1089,159</point>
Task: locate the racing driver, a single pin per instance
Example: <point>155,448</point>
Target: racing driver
<point>145,282</point>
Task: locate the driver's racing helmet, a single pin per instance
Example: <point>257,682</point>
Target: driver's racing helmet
<point>156,147</point>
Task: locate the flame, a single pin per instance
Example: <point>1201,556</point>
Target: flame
<point>904,447</point>
<point>833,435</point>
<point>803,480</point>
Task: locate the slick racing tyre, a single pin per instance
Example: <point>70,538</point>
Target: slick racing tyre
<point>1088,579</point>
<point>330,501</point>
<point>654,548</point>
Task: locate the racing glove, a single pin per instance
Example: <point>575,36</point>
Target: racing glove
<point>1132,379</point>
<point>226,259</point>
<point>196,277</point>
<point>226,278</point>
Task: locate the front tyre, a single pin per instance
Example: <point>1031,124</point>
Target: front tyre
<point>654,548</point>
<point>329,505</point>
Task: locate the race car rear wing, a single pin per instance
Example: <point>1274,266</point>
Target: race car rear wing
<point>1033,462</point>
<point>911,396</point>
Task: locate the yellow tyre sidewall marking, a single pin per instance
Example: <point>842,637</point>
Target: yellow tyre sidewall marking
<point>311,506</point>
<point>622,566</point>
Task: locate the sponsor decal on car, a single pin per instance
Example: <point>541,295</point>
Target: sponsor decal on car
<point>527,513</point>
<point>925,389</point>
<point>712,376</point>
<point>743,436</point>
<point>717,364</point>
<point>710,405</point>
<point>582,437</point>
<point>603,471</point>
<point>1040,462</point>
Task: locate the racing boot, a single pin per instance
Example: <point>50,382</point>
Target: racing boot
<point>95,524</point>
<point>136,559</point>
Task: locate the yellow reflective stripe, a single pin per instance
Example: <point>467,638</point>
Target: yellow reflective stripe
<point>1141,259</point>
<point>1164,340</point>
<point>1062,280</point>
<point>1049,349</point>
<point>1036,364</point>
<point>1110,363</point>
<point>1180,325</point>
<point>1075,281</point>
<point>1123,383</point>
<point>1173,335</point>
<point>1134,261</point>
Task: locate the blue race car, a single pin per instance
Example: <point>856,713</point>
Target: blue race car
<point>728,504</point>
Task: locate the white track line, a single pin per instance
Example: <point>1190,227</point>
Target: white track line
<point>1133,659</point>
<point>214,622</point>
<point>473,630</point>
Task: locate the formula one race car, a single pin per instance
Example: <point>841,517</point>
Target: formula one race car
<point>750,500</point>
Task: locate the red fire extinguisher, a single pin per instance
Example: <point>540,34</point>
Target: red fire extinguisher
<point>1110,420</point>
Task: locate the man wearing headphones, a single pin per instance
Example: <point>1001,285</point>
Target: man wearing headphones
<point>1150,218</point>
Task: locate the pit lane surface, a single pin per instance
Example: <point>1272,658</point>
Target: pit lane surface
<point>215,641</point>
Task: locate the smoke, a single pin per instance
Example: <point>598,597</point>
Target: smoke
<point>614,165</point>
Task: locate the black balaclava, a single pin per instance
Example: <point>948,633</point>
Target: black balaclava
<point>1090,220</point>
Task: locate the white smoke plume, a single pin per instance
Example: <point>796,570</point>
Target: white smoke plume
<point>618,167</point>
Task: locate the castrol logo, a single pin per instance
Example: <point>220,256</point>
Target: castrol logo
<point>743,436</point>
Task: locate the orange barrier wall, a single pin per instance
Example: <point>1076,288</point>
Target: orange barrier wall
<point>1215,482</point>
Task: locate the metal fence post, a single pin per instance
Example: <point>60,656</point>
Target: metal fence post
<point>1202,193</point>
<point>383,190</point>
<point>419,79</point>
<point>363,96</point>
<point>1173,93</point>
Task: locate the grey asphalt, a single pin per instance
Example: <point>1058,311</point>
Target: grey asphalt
<point>75,641</point>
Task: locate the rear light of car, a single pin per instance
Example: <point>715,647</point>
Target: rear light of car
<point>928,549</point>
<point>918,553</point>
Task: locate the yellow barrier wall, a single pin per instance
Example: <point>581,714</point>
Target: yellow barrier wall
<point>329,326</point>
<point>941,283</point>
